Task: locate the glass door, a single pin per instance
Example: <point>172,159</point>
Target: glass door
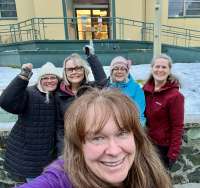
<point>92,24</point>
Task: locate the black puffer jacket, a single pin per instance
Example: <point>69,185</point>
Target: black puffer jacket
<point>65,97</point>
<point>31,143</point>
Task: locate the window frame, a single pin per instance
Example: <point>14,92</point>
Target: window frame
<point>184,8</point>
<point>4,10</point>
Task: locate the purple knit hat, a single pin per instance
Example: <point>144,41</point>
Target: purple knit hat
<point>119,60</point>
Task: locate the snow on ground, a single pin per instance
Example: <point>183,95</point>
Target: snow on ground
<point>188,73</point>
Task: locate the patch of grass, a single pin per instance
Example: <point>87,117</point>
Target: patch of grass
<point>141,82</point>
<point>11,65</point>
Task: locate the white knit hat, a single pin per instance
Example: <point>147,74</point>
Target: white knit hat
<point>47,68</point>
<point>119,60</point>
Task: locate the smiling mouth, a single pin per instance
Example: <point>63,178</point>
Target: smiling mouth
<point>50,84</point>
<point>75,77</point>
<point>113,163</point>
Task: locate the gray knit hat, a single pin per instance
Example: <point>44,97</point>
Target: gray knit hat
<point>119,60</point>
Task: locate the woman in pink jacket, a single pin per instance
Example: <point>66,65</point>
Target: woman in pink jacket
<point>164,109</point>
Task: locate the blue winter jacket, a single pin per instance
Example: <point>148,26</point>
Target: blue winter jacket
<point>135,92</point>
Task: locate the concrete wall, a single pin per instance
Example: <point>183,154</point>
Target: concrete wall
<point>39,52</point>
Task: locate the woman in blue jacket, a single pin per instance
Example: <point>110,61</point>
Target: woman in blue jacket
<point>121,79</point>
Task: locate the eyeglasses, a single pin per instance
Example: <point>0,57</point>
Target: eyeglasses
<point>119,69</point>
<point>47,78</point>
<point>76,69</point>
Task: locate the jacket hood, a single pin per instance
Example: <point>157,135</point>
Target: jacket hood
<point>66,89</point>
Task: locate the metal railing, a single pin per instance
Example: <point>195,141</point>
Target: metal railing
<point>111,28</point>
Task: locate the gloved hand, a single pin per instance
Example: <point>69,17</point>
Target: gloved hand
<point>26,71</point>
<point>89,49</point>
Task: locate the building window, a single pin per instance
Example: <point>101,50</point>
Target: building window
<point>8,9</point>
<point>182,8</point>
<point>92,24</point>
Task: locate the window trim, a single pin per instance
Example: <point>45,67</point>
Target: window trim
<point>4,10</point>
<point>184,10</point>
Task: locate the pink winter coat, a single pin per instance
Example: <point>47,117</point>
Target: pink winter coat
<point>165,116</point>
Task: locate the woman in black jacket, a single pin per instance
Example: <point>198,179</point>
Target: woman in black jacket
<point>75,77</point>
<point>31,143</point>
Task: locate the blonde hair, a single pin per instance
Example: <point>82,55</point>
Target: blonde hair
<point>80,62</point>
<point>146,171</point>
<point>171,77</point>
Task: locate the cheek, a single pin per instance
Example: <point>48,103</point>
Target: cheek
<point>153,70</point>
<point>54,82</point>
<point>82,75</point>
<point>92,152</point>
<point>113,76</point>
<point>124,75</point>
<point>168,72</point>
<point>42,83</point>
<point>129,145</point>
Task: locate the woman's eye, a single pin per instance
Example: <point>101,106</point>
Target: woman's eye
<point>97,138</point>
<point>123,133</point>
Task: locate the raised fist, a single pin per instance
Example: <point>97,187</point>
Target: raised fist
<point>27,66</point>
<point>26,71</point>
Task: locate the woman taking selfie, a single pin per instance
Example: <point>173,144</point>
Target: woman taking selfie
<point>105,147</point>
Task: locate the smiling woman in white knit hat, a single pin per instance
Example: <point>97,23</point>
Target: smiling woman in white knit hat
<point>48,77</point>
<point>121,79</point>
<point>31,141</point>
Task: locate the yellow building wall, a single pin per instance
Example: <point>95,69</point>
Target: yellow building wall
<point>71,27</point>
<point>129,9</point>
<point>141,10</point>
<point>50,8</point>
<point>150,8</point>
<point>27,9</point>
<point>184,23</point>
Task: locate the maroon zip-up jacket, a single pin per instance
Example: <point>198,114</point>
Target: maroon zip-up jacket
<point>165,116</point>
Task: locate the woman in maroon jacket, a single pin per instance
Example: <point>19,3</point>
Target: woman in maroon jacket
<point>164,109</point>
